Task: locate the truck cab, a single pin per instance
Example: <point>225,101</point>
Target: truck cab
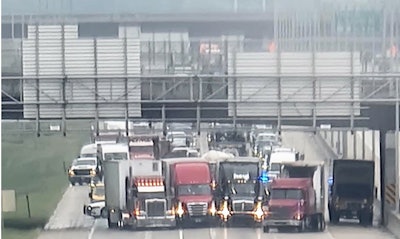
<point>297,198</point>
<point>240,191</point>
<point>150,204</point>
<point>88,150</point>
<point>83,170</point>
<point>352,191</point>
<point>111,152</point>
<point>141,150</point>
<point>279,156</point>
<point>190,183</point>
<point>148,147</point>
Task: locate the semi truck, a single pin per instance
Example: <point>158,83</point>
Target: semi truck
<point>279,156</point>
<point>111,152</point>
<point>352,191</point>
<point>224,138</point>
<point>240,191</point>
<point>146,146</point>
<point>297,199</point>
<point>135,195</point>
<point>189,184</point>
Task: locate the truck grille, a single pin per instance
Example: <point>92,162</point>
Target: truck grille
<point>280,212</point>
<point>197,209</point>
<point>242,206</point>
<point>82,172</point>
<point>155,208</point>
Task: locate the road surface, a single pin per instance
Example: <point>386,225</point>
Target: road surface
<point>73,200</point>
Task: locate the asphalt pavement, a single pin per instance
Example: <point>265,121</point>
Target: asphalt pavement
<point>68,220</point>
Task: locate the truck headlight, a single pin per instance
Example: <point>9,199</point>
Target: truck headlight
<point>298,216</point>
<point>258,212</point>
<point>92,172</point>
<point>212,210</point>
<point>179,209</point>
<point>71,172</point>
<point>225,213</point>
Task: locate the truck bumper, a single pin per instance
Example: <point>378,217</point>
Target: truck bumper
<point>197,219</point>
<point>281,223</point>
<point>83,179</point>
<point>247,216</point>
<point>155,222</point>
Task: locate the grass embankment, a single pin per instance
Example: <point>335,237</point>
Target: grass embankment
<point>34,166</point>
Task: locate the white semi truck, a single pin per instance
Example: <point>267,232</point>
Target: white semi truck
<point>135,195</point>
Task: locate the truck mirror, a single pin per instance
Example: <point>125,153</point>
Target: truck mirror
<point>90,195</point>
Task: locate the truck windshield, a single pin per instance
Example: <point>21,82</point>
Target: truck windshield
<point>115,156</point>
<point>243,189</point>
<point>275,167</point>
<point>93,155</point>
<point>84,162</point>
<point>286,194</point>
<point>148,149</point>
<point>194,189</point>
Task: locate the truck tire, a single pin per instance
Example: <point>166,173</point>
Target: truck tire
<point>321,225</point>
<point>334,217</point>
<point>265,229</point>
<point>302,227</point>
<point>112,225</point>
<point>366,218</point>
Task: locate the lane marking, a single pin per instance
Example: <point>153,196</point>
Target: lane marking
<point>181,234</point>
<point>147,235</point>
<point>213,234</point>
<point>92,229</point>
<point>328,233</point>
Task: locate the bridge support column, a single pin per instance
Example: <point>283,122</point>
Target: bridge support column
<point>163,119</point>
<point>382,147</point>
<point>397,164</point>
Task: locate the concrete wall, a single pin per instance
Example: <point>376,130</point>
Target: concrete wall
<point>364,145</point>
<point>359,145</point>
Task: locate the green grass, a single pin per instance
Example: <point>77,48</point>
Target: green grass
<point>34,166</point>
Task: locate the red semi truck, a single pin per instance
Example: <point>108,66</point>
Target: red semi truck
<point>190,186</point>
<point>149,147</point>
<point>297,200</point>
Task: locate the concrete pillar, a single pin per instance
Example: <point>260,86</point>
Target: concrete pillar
<point>390,172</point>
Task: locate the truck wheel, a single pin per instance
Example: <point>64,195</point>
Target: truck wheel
<point>103,213</point>
<point>366,218</point>
<point>80,183</point>
<point>265,229</point>
<point>112,225</point>
<point>302,227</point>
<point>334,217</point>
<point>320,223</point>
